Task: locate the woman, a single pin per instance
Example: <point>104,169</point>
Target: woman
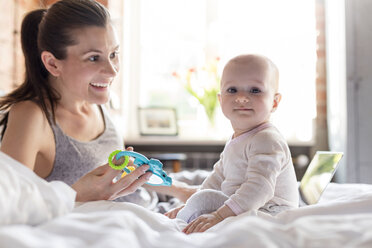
<point>55,122</point>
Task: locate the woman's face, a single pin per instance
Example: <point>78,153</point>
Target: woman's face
<point>90,66</point>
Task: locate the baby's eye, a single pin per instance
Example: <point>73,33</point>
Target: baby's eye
<point>114,54</point>
<point>93,58</point>
<point>255,90</point>
<point>231,90</point>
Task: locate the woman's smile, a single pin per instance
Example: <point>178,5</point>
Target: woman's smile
<point>100,86</point>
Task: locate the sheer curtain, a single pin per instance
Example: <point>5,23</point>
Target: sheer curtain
<point>166,36</point>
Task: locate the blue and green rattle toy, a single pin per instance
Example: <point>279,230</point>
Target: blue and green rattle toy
<point>159,176</point>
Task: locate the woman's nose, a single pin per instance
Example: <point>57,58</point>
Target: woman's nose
<point>111,68</point>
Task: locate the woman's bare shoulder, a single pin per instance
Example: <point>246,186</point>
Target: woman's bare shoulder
<point>27,116</point>
<point>28,111</point>
<point>27,134</point>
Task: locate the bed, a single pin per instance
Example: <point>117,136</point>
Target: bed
<point>34,213</point>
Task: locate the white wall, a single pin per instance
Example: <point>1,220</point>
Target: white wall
<point>336,81</point>
<point>349,75</point>
<point>359,42</point>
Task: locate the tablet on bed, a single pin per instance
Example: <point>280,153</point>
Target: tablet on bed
<point>318,175</point>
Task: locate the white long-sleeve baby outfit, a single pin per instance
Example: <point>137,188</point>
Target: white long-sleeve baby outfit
<point>256,172</point>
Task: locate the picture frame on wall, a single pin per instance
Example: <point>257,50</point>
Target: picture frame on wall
<point>158,121</point>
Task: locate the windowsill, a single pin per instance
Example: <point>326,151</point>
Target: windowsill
<point>172,140</point>
<point>197,148</point>
<point>176,140</point>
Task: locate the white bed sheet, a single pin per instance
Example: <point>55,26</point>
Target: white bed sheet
<point>108,224</point>
<point>343,218</point>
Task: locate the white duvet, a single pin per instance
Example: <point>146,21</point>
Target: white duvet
<point>34,213</point>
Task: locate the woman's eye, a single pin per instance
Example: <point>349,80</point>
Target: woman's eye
<point>114,54</point>
<point>255,90</point>
<point>231,90</point>
<point>93,58</point>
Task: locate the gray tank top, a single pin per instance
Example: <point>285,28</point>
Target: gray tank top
<point>75,158</point>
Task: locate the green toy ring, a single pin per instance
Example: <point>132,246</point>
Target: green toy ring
<point>120,166</point>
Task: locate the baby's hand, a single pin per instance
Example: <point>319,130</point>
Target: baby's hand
<point>203,223</point>
<point>171,214</point>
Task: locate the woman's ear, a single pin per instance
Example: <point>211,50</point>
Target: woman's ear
<point>51,63</point>
<point>277,98</point>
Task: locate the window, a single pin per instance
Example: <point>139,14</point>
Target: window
<point>166,36</point>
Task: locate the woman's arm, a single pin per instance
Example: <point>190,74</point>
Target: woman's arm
<point>178,189</point>
<point>27,135</point>
<point>183,191</point>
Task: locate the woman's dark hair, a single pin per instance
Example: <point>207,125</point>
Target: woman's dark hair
<point>49,30</point>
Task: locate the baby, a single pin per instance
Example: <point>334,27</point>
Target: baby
<point>255,170</point>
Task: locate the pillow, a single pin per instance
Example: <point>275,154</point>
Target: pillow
<point>28,199</point>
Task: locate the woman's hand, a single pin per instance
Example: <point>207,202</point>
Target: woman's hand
<point>98,184</point>
<point>171,214</point>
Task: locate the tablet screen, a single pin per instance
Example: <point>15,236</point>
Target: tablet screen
<point>318,175</point>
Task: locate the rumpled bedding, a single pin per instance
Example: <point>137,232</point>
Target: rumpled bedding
<point>25,198</point>
<point>35,213</point>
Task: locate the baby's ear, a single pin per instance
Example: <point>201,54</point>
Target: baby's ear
<point>219,97</point>
<point>277,98</point>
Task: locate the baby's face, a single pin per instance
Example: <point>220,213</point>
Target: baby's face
<point>248,94</point>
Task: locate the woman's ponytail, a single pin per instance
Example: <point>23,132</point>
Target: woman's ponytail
<point>35,86</point>
<point>29,40</point>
